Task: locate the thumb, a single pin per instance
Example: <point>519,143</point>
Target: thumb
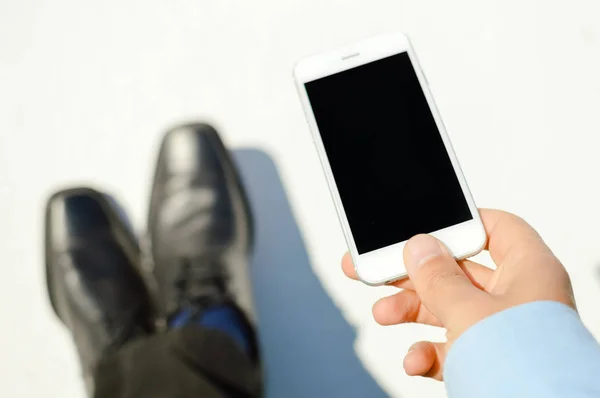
<point>440,283</point>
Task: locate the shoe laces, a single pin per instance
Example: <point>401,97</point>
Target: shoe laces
<point>200,278</point>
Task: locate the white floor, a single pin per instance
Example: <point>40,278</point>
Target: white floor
<point>86,88</point>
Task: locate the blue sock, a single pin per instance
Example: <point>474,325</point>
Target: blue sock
<point>220,317</point>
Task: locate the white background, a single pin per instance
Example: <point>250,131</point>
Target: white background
<point>87,88</point>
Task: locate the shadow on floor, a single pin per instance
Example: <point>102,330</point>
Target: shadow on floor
<point>307,345</point>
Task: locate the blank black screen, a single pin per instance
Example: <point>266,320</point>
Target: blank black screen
<point>388,159</point>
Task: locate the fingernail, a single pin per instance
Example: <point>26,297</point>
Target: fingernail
<point>408,355</point>
<point>412,348</point>
<point>421,248</point>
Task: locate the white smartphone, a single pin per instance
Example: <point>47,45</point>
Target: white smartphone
<point>388,160</point>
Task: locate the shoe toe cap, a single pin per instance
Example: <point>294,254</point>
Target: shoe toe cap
<point>75,213</point>
<point>189,148</point>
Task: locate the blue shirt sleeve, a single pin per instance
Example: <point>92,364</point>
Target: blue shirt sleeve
<point>535,350</point>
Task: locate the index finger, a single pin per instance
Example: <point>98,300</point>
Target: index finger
<point>509,237</point>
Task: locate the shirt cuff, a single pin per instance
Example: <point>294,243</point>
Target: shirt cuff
<point>536,349</point>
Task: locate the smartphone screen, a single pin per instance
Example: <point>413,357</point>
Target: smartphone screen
<point>389,162</point>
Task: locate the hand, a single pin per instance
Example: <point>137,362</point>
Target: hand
<point>455,295</point>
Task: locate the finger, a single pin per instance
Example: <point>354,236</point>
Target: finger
<point>425,359</point>
<point>348,266</point>
<point>440,283</point>
<point>478,274</point>
<point>510,237</point>
<point>403,307</point>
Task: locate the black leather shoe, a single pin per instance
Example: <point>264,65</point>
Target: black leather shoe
<point>93,284</point>
<point>200,227</point>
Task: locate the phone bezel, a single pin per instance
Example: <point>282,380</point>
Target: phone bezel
<point>384,265</point>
